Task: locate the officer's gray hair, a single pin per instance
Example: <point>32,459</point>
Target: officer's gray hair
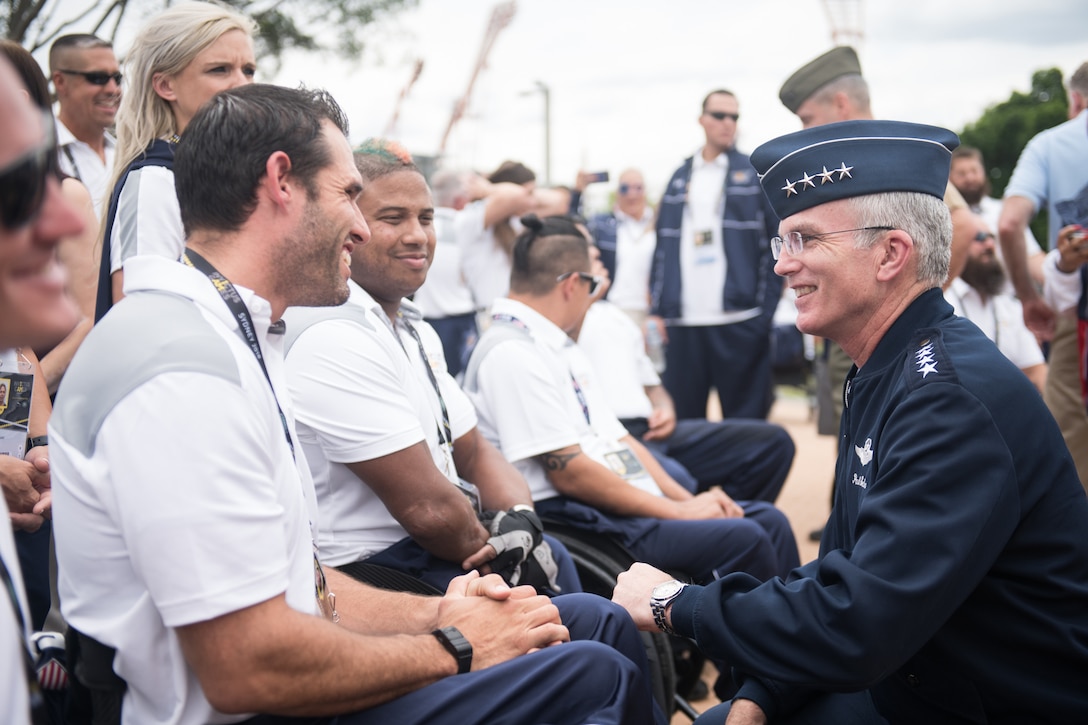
<point>925,218</point>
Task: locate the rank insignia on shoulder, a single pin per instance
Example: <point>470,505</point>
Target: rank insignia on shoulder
<point>928,361</point>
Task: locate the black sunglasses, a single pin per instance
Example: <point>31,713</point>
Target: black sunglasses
<point>594,281</point>
<point>722,115</point>
<point>22,182</point>
<point>95,77</point>
<point>635,188</point>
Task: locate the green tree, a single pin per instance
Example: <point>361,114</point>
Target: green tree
<point>317,25</point>
<point>1005,128</point>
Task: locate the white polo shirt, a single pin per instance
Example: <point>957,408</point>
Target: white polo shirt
<point>485,264</point>
<point>189,505</point>
<point>148,219</point>
<point>635,243</point>
<point>539,394</point>
<point>615,347</point>
<point>81,161</point>
<point>14,699</point>
<point>362,392</point>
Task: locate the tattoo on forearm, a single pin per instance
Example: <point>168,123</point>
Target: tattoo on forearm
<point>557,461</point>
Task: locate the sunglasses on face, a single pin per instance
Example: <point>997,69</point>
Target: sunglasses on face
<point>983,236</point>
<point>630,188</point>
<point>594,281</point>
<point>722,115</point>
<point>96,77</point>
<point>22,182</point>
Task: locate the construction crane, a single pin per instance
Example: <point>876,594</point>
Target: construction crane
<point>501,16</point>
<point>845,18</point>
<point>391,127</point>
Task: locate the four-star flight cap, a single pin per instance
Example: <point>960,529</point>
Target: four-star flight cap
<point>853,158</point>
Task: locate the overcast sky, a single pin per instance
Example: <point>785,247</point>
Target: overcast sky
<point>626,78</point>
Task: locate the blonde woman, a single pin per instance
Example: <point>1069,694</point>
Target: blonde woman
<point>179,60</point>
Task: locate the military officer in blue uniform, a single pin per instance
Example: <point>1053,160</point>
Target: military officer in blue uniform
<point>952,582</point>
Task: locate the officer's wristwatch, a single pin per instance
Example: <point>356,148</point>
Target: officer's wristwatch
<point>660,599</point>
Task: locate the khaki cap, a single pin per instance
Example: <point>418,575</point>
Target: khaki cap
<point>814,75</point>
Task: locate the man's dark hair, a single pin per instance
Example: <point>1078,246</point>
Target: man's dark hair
<point>546,249</point>
<point>77,41</point>
<point>720,91</point>
<point>513,172</point>
<point>221,159</point>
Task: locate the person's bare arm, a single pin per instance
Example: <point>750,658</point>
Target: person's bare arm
<point>501,486</point>
<point>662,420</point>
<point>714,502</point>
<point>117,285</point>
<point>1016,213</point>
<point>505,200</point>
<point>80,257</point>
<point>1037,375</point>
<point>578,476</point>
<point>31,519</point>
<point>431,509</point>
<point>269,658</point>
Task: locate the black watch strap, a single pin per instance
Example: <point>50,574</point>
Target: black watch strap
<point>456,644</point>
<point>36,441</point>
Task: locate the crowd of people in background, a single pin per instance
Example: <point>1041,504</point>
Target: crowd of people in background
<point>282,371</point>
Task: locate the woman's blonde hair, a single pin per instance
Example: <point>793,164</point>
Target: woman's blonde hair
<point>166,45</point>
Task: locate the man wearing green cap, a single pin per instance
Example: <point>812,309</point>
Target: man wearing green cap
<point>952,582</point>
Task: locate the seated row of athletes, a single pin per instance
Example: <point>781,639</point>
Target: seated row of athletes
<point>407,463</point>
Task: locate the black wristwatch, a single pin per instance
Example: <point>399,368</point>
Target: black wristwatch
<point>456,644</point>
<point>36,441</point>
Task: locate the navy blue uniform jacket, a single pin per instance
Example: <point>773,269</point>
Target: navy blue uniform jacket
<point>953,574</point>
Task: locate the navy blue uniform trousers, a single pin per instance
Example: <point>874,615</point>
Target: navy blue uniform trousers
<point>748,459</point>
<point>760,544</point>
<point>734,359</point>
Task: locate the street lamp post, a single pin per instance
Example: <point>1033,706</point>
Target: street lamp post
<point>543,89</point>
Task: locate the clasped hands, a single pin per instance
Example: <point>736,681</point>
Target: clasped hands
<point>26,486</point>
<point>499,621</point>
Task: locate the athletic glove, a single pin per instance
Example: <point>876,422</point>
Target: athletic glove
<point>514,535</point>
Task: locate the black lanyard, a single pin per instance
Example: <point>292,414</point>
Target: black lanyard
<point>37,702</point>
<point>445,433</point>
<point>245,324</point>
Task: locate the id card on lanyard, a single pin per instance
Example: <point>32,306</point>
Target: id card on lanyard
<point>16,387</point>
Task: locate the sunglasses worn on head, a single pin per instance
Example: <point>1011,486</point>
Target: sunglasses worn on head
<point>22,182</point>
<point>95,77</point>
<point>632,188</point>
<point>722,115</point>
<point>594,281</point>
